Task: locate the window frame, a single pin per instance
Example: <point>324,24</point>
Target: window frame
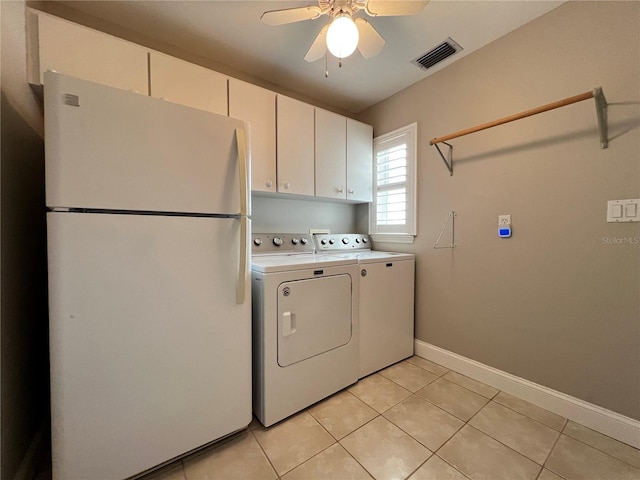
<point>406,232</point>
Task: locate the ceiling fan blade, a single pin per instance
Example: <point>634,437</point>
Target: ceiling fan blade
<point>388,8</point>
<point>290,15</point>
<point>370,42</point>
<point>318,47</point>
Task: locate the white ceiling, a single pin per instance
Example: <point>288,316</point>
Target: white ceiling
<point>231,33</point>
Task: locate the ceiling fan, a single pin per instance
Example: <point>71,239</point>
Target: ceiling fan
<point>343,34</point>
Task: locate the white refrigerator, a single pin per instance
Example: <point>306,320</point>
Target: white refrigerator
<point>148,206</point>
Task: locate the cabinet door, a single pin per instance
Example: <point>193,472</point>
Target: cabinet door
<point>331,154</point>
<point>359,161</point>
<point>70,49</point>
<point>187,84</point>
<point>295,138</point>
<point>258,107</point>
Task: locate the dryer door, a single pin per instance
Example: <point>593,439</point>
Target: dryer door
<point>314,316</point>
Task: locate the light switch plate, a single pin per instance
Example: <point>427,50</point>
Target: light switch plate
<point>623,210</point>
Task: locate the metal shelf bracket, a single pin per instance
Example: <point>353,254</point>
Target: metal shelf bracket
<point>601,112</point>
<point>449,162</point>
<point>450,220</point>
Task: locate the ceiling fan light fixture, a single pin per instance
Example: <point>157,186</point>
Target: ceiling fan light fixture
<point>342,36</point>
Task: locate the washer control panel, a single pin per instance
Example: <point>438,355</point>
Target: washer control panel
<point>281,243</point>
<point>341,242</point>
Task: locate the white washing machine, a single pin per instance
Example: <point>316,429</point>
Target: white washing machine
<point>386,299</point>
<point>305,324</point>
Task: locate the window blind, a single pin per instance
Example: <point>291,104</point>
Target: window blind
<point>393,212</point>
<point>391,182</point>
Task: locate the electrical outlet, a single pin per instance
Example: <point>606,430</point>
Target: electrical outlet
<point>504,220</point>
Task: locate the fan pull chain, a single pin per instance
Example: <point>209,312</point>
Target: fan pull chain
<point>326,65</point>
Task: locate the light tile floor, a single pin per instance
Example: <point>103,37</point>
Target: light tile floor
<point>415,420</point>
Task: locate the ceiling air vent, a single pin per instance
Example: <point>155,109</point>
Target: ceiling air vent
<point>438,54</point>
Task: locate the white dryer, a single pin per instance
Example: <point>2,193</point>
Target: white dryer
<point>305,324</point>
<point>386,299</point>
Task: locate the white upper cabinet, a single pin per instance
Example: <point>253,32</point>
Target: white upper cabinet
<point>258,107</point>
<point>182,82</point>
<point>295,146</point>
<point>71,49</point>
<point>331,155</point>
<point>359,161</point>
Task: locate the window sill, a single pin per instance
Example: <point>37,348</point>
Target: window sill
<point>392,237</point>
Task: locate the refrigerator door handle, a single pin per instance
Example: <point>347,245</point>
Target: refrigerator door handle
<point>243,265</point>
<point>244,165</point>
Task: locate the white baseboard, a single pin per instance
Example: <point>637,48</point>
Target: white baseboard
<point>605,421</point>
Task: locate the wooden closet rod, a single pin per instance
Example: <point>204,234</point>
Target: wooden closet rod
<point>518,116</point>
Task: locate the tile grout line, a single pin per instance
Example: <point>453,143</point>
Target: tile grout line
<point>436,455</point>
<point>561,431</point>
<point>597,449</point>
<point>415,394</point>
<point>433,452</point>
<point>349,453</point>
<point>530,417</point>
<point>419,466</point>
<point>337,441</point>
<point>264,452</point>
<point>450,413</point>
<point>466,423</point>
<point>481,383</point>
<point>505,445</point>
<point>544,465</point>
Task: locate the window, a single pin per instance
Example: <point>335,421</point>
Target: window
<point>393,212</point>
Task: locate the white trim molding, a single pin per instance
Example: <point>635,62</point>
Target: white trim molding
<point>392,237</point>
<point>605,421</point>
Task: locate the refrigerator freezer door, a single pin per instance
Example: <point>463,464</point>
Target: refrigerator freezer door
<point>117,150</point>
<point>150,353</point>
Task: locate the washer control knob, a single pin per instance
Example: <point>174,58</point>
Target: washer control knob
<point>277,241</point>
<point>257,241</point>
<point>332,241</point>
<point>304,240</point>
<point>364,240</point>
<point>323,241</point>
<point>345,240</point>
<point>295,241</point>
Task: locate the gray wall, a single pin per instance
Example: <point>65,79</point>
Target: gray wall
<point>24,350</point>
<point>298,215</point>
<point>558,303</point>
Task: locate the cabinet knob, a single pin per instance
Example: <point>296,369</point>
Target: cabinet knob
<point>340,190</point>
<point>286,185</point>
<point>352,192</point>
<point>269,183</point>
